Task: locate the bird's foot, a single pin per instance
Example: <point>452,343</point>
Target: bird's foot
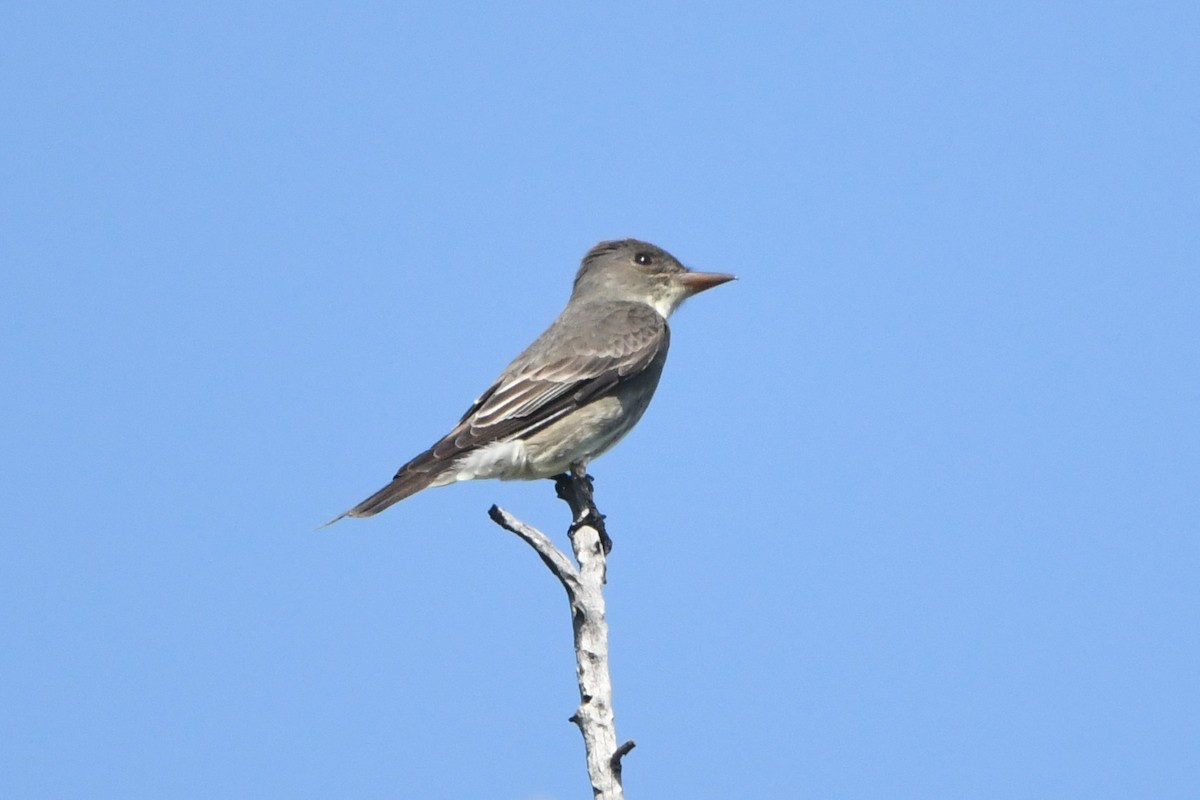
<point>591,518</point>
<point>576,487</point>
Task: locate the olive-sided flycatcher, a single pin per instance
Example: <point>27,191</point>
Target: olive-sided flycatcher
<point>576,390</point>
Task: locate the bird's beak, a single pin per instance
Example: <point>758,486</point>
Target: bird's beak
<point>696,282</point>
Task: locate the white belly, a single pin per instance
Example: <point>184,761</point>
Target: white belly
<point>584,434</point>
<point>504,460</point>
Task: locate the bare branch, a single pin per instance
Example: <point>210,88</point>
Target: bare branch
<point>622,751</point>
<point>553,558</point>
<point>585,592</point>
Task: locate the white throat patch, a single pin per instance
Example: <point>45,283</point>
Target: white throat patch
<point>666,303</point>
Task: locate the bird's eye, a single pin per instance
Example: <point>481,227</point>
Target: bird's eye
<point>645,259</point>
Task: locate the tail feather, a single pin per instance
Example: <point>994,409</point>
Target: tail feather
<point>404,485</point>
<point>418,474</point>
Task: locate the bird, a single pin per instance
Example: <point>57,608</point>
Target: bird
<point>576,390</point>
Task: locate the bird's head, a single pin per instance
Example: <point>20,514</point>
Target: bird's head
<point>639,272</point>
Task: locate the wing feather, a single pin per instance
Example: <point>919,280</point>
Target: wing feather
<point>586,354</point>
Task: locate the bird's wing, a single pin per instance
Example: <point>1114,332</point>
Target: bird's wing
<point>571,364</point>
<point>584,355</point>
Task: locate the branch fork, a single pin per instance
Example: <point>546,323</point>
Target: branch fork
<point>584,581</point>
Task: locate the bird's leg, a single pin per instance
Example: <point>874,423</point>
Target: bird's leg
<point>575,487</point>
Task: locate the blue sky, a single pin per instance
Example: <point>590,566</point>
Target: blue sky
<point>914,513</point>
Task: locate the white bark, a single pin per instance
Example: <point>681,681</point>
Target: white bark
<point>585,592</point>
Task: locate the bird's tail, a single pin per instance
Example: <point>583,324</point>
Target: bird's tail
<point>420,473</point>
